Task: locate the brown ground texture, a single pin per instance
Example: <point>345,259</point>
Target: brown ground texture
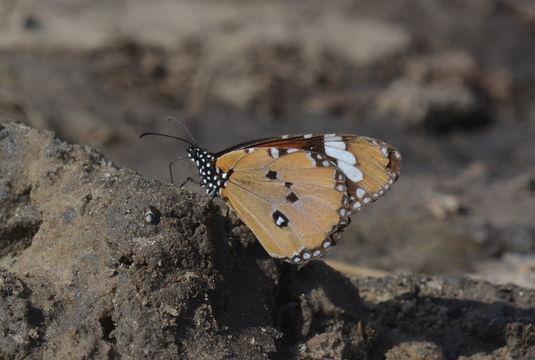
<point>442,267</point>
<point>89,276</point>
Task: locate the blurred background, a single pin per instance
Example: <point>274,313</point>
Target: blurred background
<point>451,84</point>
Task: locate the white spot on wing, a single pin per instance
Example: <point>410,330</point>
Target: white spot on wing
<point>384,149</point>
<point>306,256</point>
<point>360,192</point>
<point>285,136</point>
<point>292,151</point>
<point>341,155</point>
<point>274,153</point>
<point>326,244</point>
<point>307,136</point>
<point>279,221</point>
<point>357,205</point>
<point>309,156</point>
<point>351,172</point>
<point>336,144</point>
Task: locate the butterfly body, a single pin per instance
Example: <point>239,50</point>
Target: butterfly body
<point>211,176</point>
<point>297,193</point>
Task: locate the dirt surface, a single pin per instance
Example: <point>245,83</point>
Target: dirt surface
<point>450,84</point>
<point>87,274</point>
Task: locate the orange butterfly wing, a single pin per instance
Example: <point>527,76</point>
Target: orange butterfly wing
<point>297,194</point>
<point>291,204</point>
<point>380,165</point>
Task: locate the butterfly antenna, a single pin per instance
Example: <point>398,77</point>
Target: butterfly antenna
<point>184,126</point>
<point>169,136</point>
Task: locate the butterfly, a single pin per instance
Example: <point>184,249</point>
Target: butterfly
<point>297,192</point>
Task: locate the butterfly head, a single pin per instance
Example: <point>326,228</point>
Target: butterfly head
<point>212,178</point>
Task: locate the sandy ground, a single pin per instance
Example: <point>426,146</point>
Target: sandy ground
<point>449,84</point>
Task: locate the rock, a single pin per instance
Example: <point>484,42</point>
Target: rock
<point>416,317</point>
<point>415,350</point>
<point>92,278</point>
<point>21,322</point>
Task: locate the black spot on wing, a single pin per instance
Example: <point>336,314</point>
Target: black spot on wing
<point>292,197</point>
<point>271,174</point>
<point>280,219</point>
<point>288,184</point>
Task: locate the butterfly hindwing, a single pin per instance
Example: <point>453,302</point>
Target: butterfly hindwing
<point>293,202</point>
